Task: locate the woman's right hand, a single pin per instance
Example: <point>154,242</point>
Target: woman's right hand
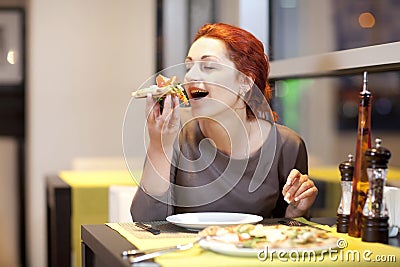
<point>163,127</point>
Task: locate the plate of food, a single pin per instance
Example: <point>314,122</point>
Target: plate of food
<point>200,220</point>
<point>249,240</point>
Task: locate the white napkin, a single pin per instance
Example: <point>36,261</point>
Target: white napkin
<point>392,197</point>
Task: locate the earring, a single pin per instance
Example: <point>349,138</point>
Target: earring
<point>243,90</point>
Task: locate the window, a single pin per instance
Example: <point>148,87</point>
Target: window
<point>319,51</point>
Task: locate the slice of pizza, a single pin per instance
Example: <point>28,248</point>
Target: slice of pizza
<point>274,236</point>
<point>164,86</point>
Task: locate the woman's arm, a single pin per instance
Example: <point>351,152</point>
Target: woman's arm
<point>297,188</point>
<point>163,129</point>
<point>155,182</point>
<point>299,191</point>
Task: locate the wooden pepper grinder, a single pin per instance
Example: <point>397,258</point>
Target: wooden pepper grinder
<point>343,213</point>
<point>375,226</point>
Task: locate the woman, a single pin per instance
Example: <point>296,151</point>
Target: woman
<point>230,156</point>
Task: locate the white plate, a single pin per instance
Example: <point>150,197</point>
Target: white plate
<point>232,250</point>
<point>200,220</point>
<point>227,249</point>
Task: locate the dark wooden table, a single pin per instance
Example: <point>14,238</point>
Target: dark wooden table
<point>102,246</point>
<point>58,196</point>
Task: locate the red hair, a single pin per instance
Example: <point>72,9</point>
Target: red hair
<point>247,53</point>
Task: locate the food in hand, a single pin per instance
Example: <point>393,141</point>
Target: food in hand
<point>164,86</point>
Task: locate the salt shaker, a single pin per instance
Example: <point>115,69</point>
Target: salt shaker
<point>343,213</point>
<point>374,226</point>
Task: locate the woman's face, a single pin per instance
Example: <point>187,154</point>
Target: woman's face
<point>211,80</point>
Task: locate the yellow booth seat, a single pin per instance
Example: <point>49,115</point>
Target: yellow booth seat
<point>89,199</point>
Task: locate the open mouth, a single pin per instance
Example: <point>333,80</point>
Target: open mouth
<point>198,93</point>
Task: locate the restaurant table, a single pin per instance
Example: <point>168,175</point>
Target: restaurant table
<point>102,247</point>
<point>66,213</point>
<point>75,198</point>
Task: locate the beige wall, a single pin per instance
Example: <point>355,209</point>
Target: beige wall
<point>9,224</point>
<point>84,59</point>
<point>228,11</point>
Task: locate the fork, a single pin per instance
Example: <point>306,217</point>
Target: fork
<point>292,222</point>
<point>155,252</point>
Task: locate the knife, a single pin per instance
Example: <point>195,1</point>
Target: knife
<point>148,228</point>
<point>152,253</point>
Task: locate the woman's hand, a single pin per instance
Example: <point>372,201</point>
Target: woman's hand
<point>163,127</point>
<point>300,192</point>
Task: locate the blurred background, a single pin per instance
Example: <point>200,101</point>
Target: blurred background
<point>67,69</point>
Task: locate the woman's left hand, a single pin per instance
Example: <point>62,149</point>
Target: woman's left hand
<point>300,192</point>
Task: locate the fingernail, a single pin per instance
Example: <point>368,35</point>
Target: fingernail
<point>287,196</point>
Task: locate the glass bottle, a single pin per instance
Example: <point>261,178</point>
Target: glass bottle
<point>360,177</point>
<point>375,226</point>
<point>343,213</point>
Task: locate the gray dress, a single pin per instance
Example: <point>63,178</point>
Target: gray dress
<point>205,179</point>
